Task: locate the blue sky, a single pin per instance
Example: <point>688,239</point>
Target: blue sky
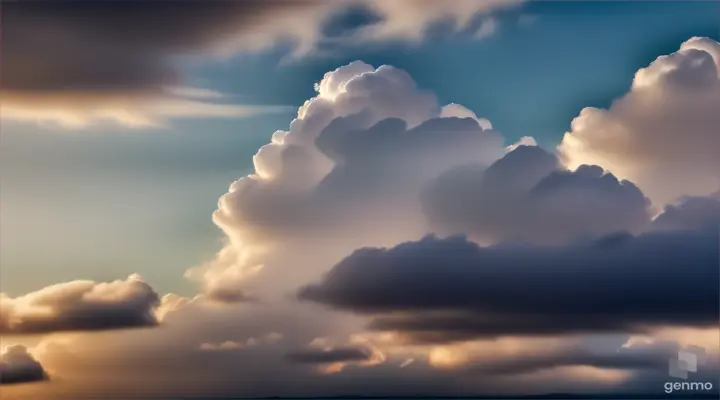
<point>126,200</point>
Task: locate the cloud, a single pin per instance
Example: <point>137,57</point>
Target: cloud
<point>578,357</point>
<point>460,111</point>
<point>517,357</point>
<point>523,141</point>
<point>487,28</point>
<point>169,362</point>
<point>690,213</point>
<point>234,345</point>
<point>78,110</point>
<point>527,196</point>
<point>163,363</point>
<point>663,133</point>
<point>80,305</point>
<point>329,356</point>
<point>611,364</point>
<point>356,157</point>
<point>334,359</point>
<point>409,19</point>
<point>92,71</point>
<point>452,289</point>
<point>19,366</point>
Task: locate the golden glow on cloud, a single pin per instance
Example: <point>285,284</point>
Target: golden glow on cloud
<point>74,110</point>
<point>662,135</point>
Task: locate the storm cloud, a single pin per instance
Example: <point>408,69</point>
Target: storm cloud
<point>452,289</point>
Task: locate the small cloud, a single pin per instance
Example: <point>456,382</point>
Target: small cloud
<point>330,355</point>
<point>226,345</point>
<point>332,359</point>
<point>524,141</point>
<point>17,365</point>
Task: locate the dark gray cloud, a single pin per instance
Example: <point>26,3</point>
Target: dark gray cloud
<point>690,213</point>
<point>101,46</point>
<point>80,306</point>
<point>452,289</point>
<point>77,62</point>
<point>331,355</point>
<point>116,45</point>
<point>19,366</point>
<point>527,196</point>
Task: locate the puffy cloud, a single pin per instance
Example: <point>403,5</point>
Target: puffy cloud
<point>527,196</point>
<point>451,289</point>
<point>80,305</point>
<point>663,133</point>
<point>356,158</point>
<point>19,366</point>
<point>93,71</point>
<point>689,213</point>
<point>460,111</point>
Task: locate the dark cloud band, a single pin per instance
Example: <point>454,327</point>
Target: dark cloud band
<point>334,355</point>
<point>451,289</point>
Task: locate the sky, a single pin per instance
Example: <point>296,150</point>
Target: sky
<point>476,195</point>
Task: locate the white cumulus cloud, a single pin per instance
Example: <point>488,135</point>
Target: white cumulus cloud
<point>663,134</point>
